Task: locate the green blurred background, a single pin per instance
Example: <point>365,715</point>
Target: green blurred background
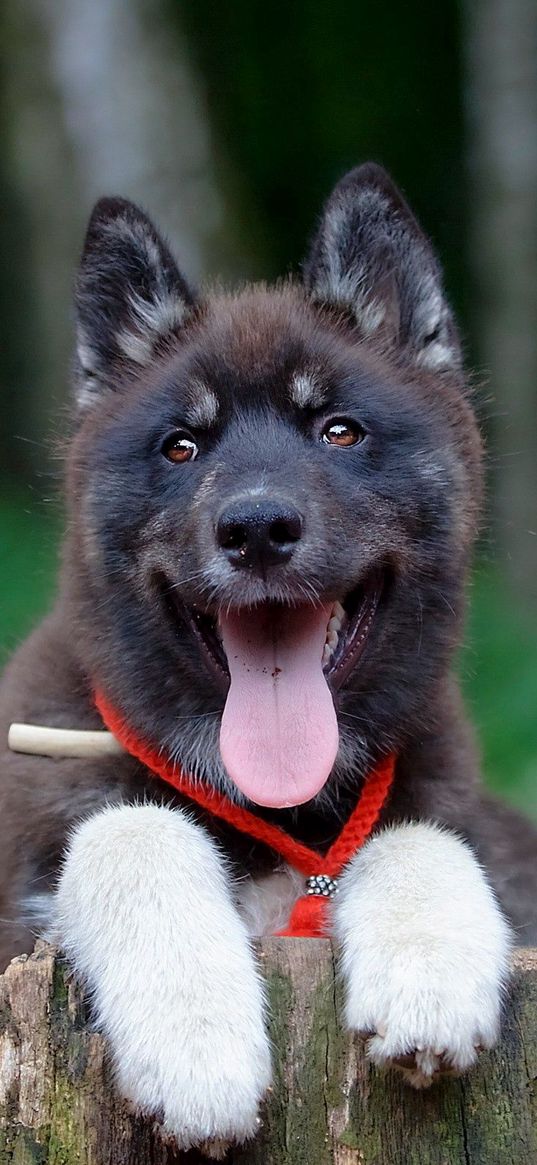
<point>230,123</point>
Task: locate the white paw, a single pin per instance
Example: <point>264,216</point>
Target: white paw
<point>425,952</point>
<point>145,912</point>
<point>425,1019</point>
<point>202,1090</point>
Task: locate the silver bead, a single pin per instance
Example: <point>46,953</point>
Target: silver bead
<point>322,885</point>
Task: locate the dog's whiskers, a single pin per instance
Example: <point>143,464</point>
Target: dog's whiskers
<point>183,582</point>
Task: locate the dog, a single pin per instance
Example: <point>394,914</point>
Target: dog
<point>272,500</point>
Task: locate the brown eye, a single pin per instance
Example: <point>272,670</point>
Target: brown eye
<point>179,447</point>
<point>343,433</point>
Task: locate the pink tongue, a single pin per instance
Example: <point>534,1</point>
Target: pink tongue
<point>279,734</point>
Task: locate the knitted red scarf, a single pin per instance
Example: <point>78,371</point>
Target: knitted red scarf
<point>309,918</point>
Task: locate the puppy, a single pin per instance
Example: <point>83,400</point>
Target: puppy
<point>272,499</point>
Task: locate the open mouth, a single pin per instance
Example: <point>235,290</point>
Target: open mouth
<point>348,625</point>
<point>280,667</point>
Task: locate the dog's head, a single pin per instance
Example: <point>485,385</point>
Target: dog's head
<point>274,496</point>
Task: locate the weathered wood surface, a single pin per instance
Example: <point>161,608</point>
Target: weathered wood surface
<point>328,1105</point>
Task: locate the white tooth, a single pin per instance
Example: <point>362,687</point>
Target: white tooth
<point>339,612</point>
<point>332,639</point>
<point>327,654</point>
<point>334,624</point>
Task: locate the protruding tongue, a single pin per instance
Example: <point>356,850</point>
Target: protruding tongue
<point>279,734</point>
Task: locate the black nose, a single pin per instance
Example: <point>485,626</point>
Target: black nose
<point>257,534</point>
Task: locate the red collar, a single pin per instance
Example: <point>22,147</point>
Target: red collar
<point>309,915</point>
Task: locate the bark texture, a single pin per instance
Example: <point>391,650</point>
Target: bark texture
<point>328,1105</point>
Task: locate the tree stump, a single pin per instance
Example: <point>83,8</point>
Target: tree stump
<point>328,1105</point>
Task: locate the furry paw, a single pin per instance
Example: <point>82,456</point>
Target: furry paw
<point>425,952</point>
<point>207,1095</point>
<point>145,912</point>
<point>422,1033</point>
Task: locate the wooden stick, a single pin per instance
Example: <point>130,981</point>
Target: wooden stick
<point>61,742</point>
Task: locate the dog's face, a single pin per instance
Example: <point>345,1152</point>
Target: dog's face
<point>274,495</point>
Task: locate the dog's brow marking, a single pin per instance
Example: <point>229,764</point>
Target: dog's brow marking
<point>306,391</point>
<point>203,405</point>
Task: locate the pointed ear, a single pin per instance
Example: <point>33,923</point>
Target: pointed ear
<point>371,257</point>
<point>129,295</point>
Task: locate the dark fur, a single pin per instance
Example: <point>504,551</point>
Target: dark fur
<point>370,324</point>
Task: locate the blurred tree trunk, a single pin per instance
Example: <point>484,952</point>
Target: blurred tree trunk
<point>502,107</point>
<point>98,97</point>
